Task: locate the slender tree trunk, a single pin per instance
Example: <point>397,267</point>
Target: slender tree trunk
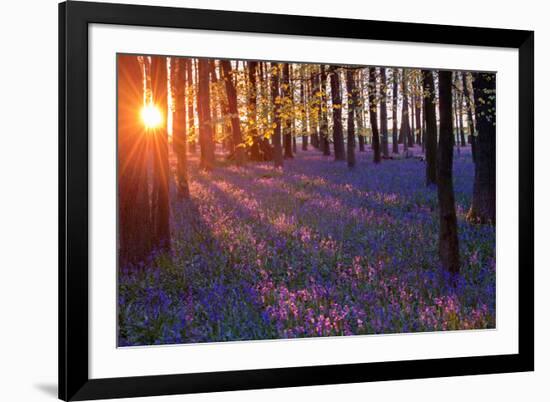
<point>314,101</point>
<point>233,111</point>
<point>405,125</point>
<point>325,144</point>
<point>359,111</point>
<point>304,114</point>
<point>395,145</point>
<point>206,141</point>
<point>291,107</point>
<point>483,209</point>
<point>286,104</point>
<point>352,105</point>
<point>337,130</point>
<point>191,106</point>
<point>179,125</point>
<point>216,103</point>
<point>265,148</point>
<point>134,242</point>
<point>430,127</point>
<point>469,114</point>
<point>461,112</point>
<point>384,112</point>
<point>161,200</point>
<point>456,137</point>
<point>418,106</point>
<point>412,114</point>
<point>448,232</point>
<point>275,99</point>
<point>373,116</point>
<point>255,152</point>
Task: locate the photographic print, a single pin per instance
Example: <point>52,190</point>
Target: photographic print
<point>274,200</point>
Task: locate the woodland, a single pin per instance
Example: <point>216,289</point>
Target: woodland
<point>267,200</point>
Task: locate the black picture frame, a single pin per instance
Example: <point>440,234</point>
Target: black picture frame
<point>74,18</point>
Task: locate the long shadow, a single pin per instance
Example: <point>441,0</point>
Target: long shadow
<point>413,198</point>
<point>229,305</point>
<point>334,223</point>
<point>396,210</point>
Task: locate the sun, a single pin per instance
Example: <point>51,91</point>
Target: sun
<point>151,116</point>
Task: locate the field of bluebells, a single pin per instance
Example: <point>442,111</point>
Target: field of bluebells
<point>314,250</point>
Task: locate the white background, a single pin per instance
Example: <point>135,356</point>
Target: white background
<point>28,205</point>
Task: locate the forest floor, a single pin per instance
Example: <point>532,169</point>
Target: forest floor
<point>313,250</point>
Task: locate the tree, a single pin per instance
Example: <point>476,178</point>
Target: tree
<point>252,112</point>
<point>448,231</point>
<point>292,111</point>
<point>373,115</point>
<point>161,172</point>
<point>405,124</point>
<point>383,112</point>
<point>483,209</point>
<point>233,111</point>
<point>304,109</point>
<point>218,105</point>
<point>469,114</point>
<point>460,111</point>
<point>285,113</point>
<point>191,106</point>
<point>352,104</point>
<point>133,201</point>
<point>456,137</point>
<point>428,87</point>
<point>337,130</point>
<point>325,144</point>
<point>360,113</point>
<point>417,111</point>
<point>276,100</point>
<point>315,110</point>
<point>395,79</point>
<point>179,128</point>
<point>206,140</point>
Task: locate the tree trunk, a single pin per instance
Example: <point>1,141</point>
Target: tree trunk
<point>325,144</point>
<point>405,124</point>
<point>233,111</point>
<point>286,105</point>
<point>461,112</point>
<point>469,114</point>
<point>373,114</point>
<point>359,112</point>
<point>161,191</point>
<point>255,153</point>
<point>430,127</point>
<point>314,100</point>
<point>395,145</point>
<point>216,102</point>
<point>179,125</point>
<point>206,140</point>
<point>412,113</point>
<point>134,242</point>
<point>456,137</point>
<point>483,209</point>
<point>384,112</point>
<point>448,232</point>
<point>304,110</point>
<point>192,134</point>
<point>337,130</point>
<point>352,105</point>
<point>275,99</point>
<point>418,106</point>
